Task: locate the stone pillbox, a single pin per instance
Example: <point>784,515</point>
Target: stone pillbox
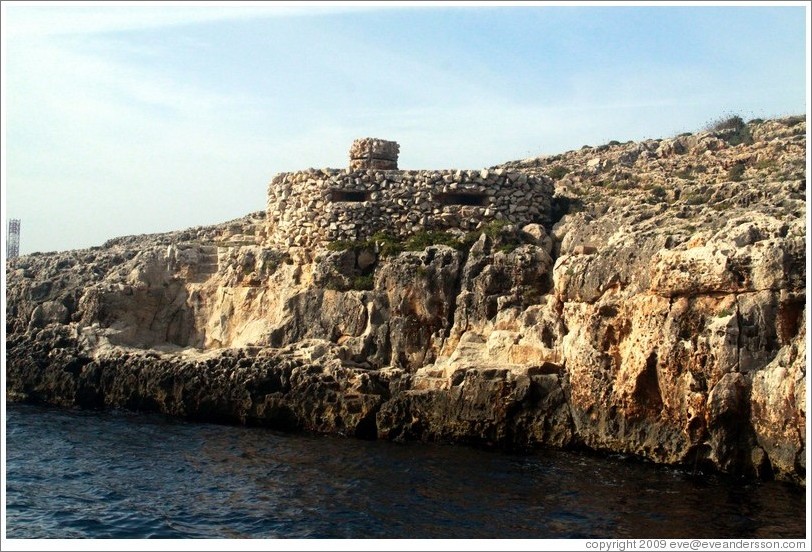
<point>374,153</point>
<point>319,206</point>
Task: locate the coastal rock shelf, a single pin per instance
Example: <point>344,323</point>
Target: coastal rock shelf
<point>638,298</point>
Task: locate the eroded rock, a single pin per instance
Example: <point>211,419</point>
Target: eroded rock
<point>659,312</point>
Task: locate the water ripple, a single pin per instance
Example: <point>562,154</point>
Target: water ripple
<point>77,474</point>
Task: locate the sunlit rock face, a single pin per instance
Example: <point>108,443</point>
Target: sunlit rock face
<point>653,306</point>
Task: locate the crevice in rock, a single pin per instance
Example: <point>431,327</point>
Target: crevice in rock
<point>647,389</point>
<point>739,337</point>
<point>789,320</point>
<point>577,441</point>
<point>561,206</point>
<point>367,427</point>
<point>454,292</point>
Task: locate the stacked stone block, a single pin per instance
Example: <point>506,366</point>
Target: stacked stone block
<point>374,153</point>
<point>315,207</point>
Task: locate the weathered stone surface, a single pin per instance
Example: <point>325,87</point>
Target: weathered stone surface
<point>419,290</point>
<point>488,407</point>
<point>306,388</point>
<point>365,152</point>
<point>778,409</point>
<point>318,207</point>
<point>658,310</point>
<point>374,164</point>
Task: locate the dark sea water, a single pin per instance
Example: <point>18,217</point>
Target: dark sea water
<point>122,475</point>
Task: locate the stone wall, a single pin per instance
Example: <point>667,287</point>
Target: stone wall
<point>316,207</point>
<point>374,153</point>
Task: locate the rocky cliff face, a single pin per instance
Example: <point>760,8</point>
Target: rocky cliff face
<point>661,315</point>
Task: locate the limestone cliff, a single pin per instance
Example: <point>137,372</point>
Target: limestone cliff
<point>661,314</point>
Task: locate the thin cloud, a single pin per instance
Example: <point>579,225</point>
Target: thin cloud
<point>162,127</point>
<point>58,19</point>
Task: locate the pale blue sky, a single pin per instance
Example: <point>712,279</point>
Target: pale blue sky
<point>139,119</point>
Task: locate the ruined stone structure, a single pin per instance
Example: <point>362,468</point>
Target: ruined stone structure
<point>374,153</point>
<point>319,206</point>
<point>666,321</point>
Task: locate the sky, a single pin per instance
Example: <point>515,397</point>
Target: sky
<point>139,118</point>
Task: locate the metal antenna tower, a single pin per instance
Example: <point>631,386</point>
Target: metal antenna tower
<point>13,240</point>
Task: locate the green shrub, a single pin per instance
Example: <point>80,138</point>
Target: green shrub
<point>557,173</point>
<point>685,174</point>
<point>613,143</point>
<point>619,185</point>
<point>427,238</point>
<point>363,283</point>
<point>508,247</point>
<point>658,191</point>
<point>341,245</point>
<point>736,172</point>
<point>794,120</point>
<point>504,243</point>
<point>695,198</point>
<point>740,137</point>
<point>465,243</point>
<point>387,244</point>
<point>334,284</point>
<point>732,129</point>
<point>494,228</point>
<point>358,283</point>
<point>727,122</point>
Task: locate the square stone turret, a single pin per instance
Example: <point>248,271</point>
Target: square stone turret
<point>374,153</point>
